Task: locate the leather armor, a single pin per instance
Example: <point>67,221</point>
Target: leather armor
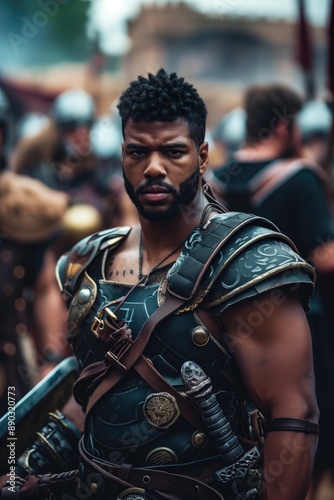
<point>132,423</point>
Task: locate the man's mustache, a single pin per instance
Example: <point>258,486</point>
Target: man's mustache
<point>155,183</point>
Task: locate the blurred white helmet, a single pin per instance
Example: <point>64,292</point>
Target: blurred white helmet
<point>74,107</point>
<point>30,124</point>
<point>231,130</point>
<point>106,139</point>
<point>314,119</point>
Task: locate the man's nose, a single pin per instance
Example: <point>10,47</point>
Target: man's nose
<point>155,165</point>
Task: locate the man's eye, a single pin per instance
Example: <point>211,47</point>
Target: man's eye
<point>137,154</point>
<point>174,153</point>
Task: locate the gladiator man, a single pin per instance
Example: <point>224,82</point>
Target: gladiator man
<point>196,378</point>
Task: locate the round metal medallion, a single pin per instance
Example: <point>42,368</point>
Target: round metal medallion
<point>132,494</point>
<point>161,410</point>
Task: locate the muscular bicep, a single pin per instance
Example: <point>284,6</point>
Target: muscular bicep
<point>274,354</point>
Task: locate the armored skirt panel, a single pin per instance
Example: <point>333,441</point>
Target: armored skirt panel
<point>131,423</point>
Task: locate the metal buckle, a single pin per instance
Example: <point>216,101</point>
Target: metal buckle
<point>110,313</point>
<point>97,323</point>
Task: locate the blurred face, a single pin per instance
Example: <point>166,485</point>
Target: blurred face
<point>77,138</point>
<point>162,167</point>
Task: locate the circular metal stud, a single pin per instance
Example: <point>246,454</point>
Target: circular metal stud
<point>200,336</point>
<point>84,294</point>
<point>199,439</point>
<point>94,487</point>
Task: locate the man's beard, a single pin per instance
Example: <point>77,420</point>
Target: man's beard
<point>182,197</point>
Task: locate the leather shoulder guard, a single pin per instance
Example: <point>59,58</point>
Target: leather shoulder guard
<point>70,267</point>
<point>233,253</point>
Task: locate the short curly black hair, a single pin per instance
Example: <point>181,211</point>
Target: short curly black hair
<point>164,97</point>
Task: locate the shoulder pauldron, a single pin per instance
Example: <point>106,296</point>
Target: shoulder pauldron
<point>240,249</point>
<point>71,267</point>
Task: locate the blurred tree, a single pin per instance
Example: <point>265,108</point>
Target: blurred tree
<point>44,31</point>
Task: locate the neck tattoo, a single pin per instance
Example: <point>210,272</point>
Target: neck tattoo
<point>141,276</point>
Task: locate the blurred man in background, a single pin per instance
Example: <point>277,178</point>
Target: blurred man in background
<point>269,176</point>
<point>314,120</point>
<point>32,316</point>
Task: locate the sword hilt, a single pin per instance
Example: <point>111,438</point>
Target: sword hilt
<point>238,463</point>
<point>199,387</point>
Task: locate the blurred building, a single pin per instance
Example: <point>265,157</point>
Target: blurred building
<point>221,54</point>
<point>210,49</point>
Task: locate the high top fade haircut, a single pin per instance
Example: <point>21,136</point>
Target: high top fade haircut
<point>164,97</point>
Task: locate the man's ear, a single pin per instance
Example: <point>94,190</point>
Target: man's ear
<point>203,153</point>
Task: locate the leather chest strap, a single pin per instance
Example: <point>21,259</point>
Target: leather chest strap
<point>212,240</point>
<point>137,348</point>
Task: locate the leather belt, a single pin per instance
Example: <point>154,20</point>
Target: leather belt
<point>152,479</point>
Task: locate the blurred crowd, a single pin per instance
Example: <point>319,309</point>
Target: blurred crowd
<point>277,162</point>
<point>61,180</point>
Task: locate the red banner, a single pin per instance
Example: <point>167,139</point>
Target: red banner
<point>24,97</point>
<point>304,42</point>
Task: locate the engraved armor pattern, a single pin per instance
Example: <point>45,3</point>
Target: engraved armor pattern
<point>130,422</point>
